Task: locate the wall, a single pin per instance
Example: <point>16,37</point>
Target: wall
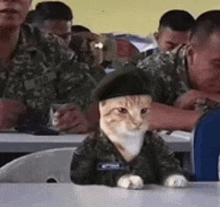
<point>131,16</point>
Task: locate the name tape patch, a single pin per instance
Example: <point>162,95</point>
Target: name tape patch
<point>110,166</point>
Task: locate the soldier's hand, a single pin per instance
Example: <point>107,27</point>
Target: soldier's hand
<point>71,120</point>
<point>190,99</point>
<point>10,111</point>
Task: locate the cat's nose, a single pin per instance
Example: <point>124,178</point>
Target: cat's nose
<point>137,124</point>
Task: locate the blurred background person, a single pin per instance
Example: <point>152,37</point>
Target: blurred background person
<point>53,17</point>
<point>173,30</point>
<point>56,18</point>
<point>119,49</point>
<point>80,43</point>
<point>87,48</point>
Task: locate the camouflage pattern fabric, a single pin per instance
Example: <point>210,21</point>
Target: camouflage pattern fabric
<point>43,71</point>
<point>169,76</point>
<point>85,55</point>
<point>83,50</point>
<point>168,71</point>
<point>154,163</point>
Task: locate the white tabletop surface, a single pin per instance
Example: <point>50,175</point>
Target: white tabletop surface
<point>19,142</point>
<point>205,194</point>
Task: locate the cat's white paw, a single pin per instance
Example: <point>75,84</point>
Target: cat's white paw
<point>131,181</point>
<point>176,181</point>
<point>136,182</point>
<point>124,181</point>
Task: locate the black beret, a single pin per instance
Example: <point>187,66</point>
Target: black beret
<point>123,82</point>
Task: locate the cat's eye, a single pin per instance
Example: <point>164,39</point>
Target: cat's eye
<point>122,110</point>
<point>144,110</point>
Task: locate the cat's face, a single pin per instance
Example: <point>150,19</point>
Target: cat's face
<point>128,114</point>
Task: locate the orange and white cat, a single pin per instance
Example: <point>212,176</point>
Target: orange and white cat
<point>125,120</point>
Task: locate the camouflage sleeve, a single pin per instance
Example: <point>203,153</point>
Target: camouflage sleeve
<point>204,106</point>
<point>83,165</point>
<point>165,76</point>
<point>166,162</point>
<point>75,84</point>
<point>159,82</point>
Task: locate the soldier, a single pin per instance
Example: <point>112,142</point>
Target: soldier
<point>54,17</point>
<point>81,39</point>
<point>173,30</point>
<point>36,71</point>
<point>186,82</point>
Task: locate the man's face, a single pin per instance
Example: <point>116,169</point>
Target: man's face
<point>13,12</point>
<point>204,65</point>
<point>125,50</point>
<point>169,39</point>
<point>61,28</point>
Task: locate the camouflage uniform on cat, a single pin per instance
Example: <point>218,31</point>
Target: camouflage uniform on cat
<point>43,72</point>
<point>154,163</point>
<point>169,76</point>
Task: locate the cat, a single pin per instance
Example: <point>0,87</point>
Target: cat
<point>124,121</point>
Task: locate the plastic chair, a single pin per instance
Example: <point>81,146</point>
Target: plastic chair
<point>52,166</point>
<point>207,147</point>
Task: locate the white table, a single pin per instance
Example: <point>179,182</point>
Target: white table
<point>18,142</point>
<point>70,195</point>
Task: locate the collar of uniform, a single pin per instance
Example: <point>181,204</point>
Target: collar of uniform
<point>27,51</point>
<point>182,66</point>
<point>185,76</point>
<point>26,40</point>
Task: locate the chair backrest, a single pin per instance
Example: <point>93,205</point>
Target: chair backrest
<point>207,147</point>
<point>45,166</point>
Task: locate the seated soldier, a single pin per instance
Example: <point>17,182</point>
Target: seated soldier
<point>188,78</point>
<point>80,43</point>
<point>173,30</point>
<point>84,43</point>
<point>37,71</point>
<point>54,17</point>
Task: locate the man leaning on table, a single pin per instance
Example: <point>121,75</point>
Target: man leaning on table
<point>187,81</point>
<point>36,71</point>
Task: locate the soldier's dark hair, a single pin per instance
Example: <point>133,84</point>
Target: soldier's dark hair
<point>30,17</point>
<point>177,20</point>
<point>52,10</point>
<point>206,24</point>
<point>79,28</point>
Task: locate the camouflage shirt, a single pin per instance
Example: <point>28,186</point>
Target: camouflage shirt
<point>42,71</point>
<point>169,77</point>
<point>97,161</point>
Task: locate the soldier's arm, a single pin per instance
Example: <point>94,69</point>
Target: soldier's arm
<point>75,86</point>
<point>170,118</point>
<point>164,78</point>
